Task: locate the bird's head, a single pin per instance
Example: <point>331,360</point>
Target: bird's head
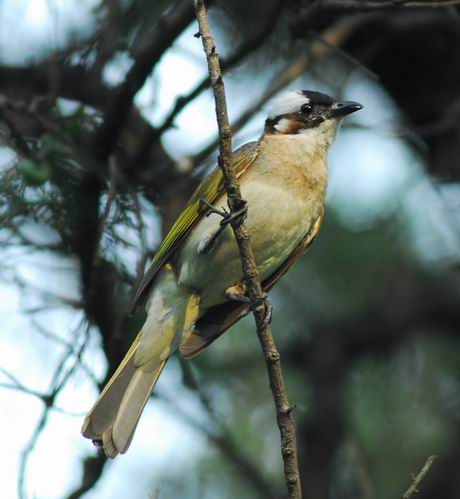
<point>308,114</point>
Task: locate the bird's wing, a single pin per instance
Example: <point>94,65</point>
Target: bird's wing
<point>219,318</point>
<point>299,250</point>
<point>210,189</point>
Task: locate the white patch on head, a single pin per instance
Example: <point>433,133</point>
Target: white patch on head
<point>289,102</point>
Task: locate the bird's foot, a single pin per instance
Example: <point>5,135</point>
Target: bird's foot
<point>237,293</point>
<point>210,208</point>
<point>236,216</point>
<point>268,311</point>
<point>206,246</point>
<point>227,217</point>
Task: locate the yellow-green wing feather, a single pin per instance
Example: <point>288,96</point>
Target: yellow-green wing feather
<point>210,189</point>
<point>219,318</point>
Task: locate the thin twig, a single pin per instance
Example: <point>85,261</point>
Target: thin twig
<point>59,380</point>
<point>418,478</point>
<point>108,206</point>
<point>376,5</point>
<point>93,467</point>
<point>247,48</point>
<point>146,253</point>
<point>146,55</point>
<point>254,288</point>
<point>20,142</point>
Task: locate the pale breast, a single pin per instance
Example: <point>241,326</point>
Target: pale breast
<point>285,189</point>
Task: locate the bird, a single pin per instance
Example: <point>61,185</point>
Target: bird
<point>194,289</point>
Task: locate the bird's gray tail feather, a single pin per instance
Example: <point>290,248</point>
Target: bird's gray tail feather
<point>112,421</point>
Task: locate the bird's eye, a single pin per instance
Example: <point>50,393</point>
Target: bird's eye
<point>306,108</point>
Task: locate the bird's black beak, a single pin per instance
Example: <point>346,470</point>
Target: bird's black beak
<point>344,108</point>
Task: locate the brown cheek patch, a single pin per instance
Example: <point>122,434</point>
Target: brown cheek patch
<point>296,124</point>
<point>289,125</point>
<point>293,124</point>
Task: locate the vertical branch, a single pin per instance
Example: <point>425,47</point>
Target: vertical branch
<point>254,288</point>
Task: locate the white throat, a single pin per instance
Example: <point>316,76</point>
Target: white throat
<point>316,140</point>
<point>322,136</point>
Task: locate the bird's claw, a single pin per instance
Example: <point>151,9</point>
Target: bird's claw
<point>210,208</point>
<point>227,217</point>
<point>240,215</point>
<point>235,293</point>
<point>268,311</point>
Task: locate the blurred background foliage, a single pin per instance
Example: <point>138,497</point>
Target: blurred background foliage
<point>106,126</point>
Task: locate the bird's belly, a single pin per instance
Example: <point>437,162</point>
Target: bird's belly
<point>277,221</point>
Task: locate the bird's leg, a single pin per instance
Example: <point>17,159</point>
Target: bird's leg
<point>192,310</point>
<point>237,293</point>
<point>207,244</point>
<point>268,311</point>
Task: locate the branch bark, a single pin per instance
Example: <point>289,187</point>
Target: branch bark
<point>253,286</point>
<point>351,6</point>
<point>416,480</point>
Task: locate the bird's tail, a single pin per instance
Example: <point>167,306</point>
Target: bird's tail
<point>112,421</point>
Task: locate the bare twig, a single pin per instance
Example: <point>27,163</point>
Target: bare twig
<point>59,380</point>
<point>21,144</point>
<point>305,14</point>
<point>361,470</point>
<point>378,5</point>
<point>105,217</point>
<point>236,203</point>
<point>418,478</point>
<point>146,253</point>
<point>93,468</point>
<point>15,384</point>
<point>146,55</point>
<point>246,48</point>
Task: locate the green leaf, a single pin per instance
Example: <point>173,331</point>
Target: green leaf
<point>34,173</point>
